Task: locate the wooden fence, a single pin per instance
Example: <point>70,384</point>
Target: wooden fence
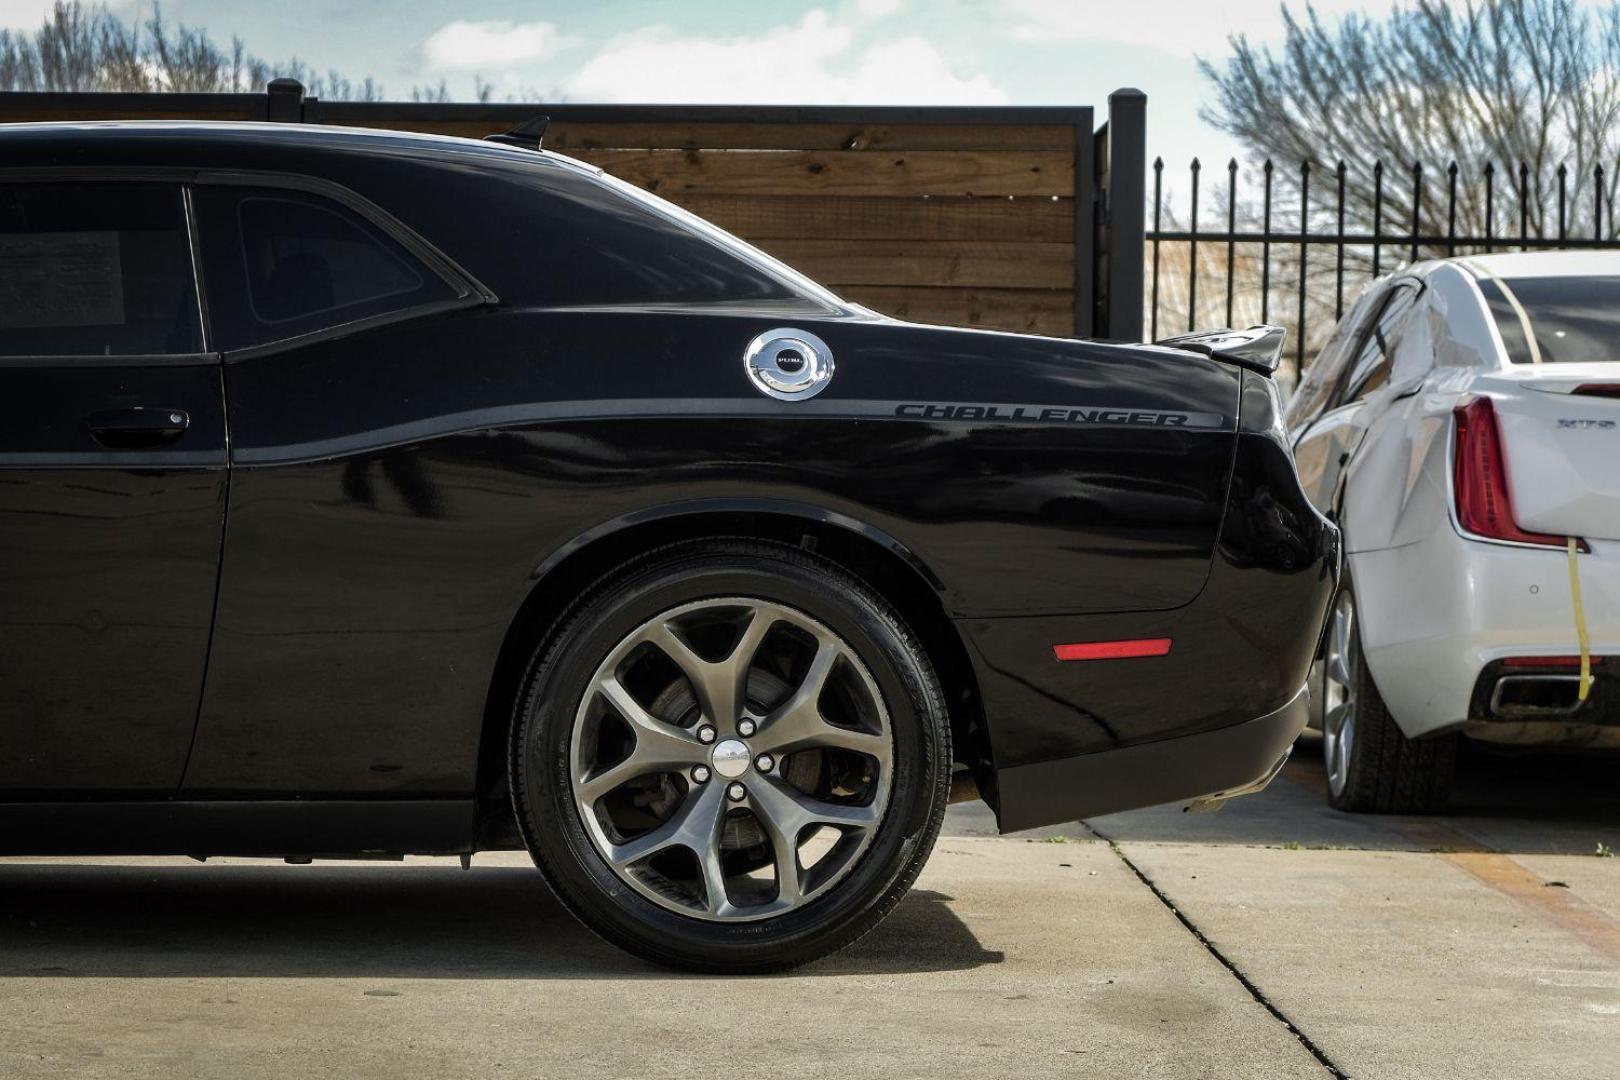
<point>988,217</point>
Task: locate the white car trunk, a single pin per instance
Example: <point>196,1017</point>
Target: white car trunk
<point>1562,445</point>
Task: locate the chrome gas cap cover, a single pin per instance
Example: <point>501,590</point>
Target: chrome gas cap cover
<point>788,364</point>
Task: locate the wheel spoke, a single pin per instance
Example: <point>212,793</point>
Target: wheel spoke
<point>660,747</point>
<point>694,825</point>
<point>1333,719</point>
<point>1338,668</point>
<point>715,897</point>
<point>600,783</point>
<point>721,686</point>
<point>787,812</point>
<point>797,723</point>
<point>1341,643</point>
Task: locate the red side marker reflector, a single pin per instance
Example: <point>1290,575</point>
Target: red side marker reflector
<point>1112,650</point>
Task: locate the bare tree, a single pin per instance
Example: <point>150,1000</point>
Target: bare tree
<point>87,47</point>
<point>1519,87</point>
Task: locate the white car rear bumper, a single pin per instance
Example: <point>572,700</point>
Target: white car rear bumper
<point>1433,614</point>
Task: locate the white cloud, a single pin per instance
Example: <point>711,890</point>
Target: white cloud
<point>1172,25</point>
<point>878,9</point>
<point>815,60</point>
<point>24,14</point>
<point>473,46</point>
<point>30,15</point>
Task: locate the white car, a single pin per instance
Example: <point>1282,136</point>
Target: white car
<point>1463,427</point>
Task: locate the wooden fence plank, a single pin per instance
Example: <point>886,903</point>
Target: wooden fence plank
<point>581,136</point>
<point>572,136</point>
<point>929,262</point>
<point>1028,311</point>
<point>841,172</point>
<point>763,217</point>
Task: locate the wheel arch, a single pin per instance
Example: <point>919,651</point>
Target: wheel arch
<point>884,563</point>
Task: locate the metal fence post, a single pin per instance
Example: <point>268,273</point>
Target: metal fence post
<point>1127,191</point>
<point>284,101</point>
<point>1090,242</point>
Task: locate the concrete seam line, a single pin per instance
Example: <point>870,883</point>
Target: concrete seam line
<point>1254,991</point>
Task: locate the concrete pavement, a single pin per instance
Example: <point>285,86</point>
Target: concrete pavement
<point>1274,939</point>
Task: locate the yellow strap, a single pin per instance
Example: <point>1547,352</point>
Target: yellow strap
<point>1580,625</point>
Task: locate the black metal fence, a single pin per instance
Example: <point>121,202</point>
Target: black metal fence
<point>1291,248</point>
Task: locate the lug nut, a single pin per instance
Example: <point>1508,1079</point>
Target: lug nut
<point>706,734</point>
<point>736,792</point>
<point>745,728</point>
<point>701,774</point>
<point>764,763</point>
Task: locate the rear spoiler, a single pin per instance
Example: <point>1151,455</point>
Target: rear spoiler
<point>1259,348</point>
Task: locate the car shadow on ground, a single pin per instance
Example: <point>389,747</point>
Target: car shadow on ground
<point>1526,803</point>
<point>427,922</point>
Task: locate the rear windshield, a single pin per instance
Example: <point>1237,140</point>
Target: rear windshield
<point>1573,319</point>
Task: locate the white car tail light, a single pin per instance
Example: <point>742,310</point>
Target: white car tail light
<point>1479,477</point>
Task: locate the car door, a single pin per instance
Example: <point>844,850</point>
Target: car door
<point>112,488</point>
<point>1324,446</point>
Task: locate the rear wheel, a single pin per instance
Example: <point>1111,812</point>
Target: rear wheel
<point>733,757</point>
<point>1371,766</point>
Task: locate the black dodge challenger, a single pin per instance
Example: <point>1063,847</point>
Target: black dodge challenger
<point>365,493</point>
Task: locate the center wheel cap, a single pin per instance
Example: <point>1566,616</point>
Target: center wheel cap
<point>730,758</point>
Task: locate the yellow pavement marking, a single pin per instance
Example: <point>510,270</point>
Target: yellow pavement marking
<point>1561,907</point>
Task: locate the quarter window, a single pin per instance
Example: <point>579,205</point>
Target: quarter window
<point>1371,369</point>
<point>96,269</point>
<point>283,263</point>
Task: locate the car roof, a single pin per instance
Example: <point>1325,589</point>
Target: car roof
<point>293,137</point>
<point>1542,264</point>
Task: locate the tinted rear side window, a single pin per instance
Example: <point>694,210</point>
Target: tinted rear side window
<point>96,270</point>
<point>536,230</point>
<point>282,263</point>
<point>1574,319</point>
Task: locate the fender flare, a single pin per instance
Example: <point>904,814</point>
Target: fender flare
<point>808,512</point>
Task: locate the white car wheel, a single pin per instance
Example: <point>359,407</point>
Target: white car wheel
<point>1339,661</point>
<point>1371,766</point>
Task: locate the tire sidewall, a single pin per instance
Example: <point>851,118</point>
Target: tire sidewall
<point>559,839</point>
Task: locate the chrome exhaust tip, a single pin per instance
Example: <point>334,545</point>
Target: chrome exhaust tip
<point>1529,697</point>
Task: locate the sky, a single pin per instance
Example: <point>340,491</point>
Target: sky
<point>957,52</point>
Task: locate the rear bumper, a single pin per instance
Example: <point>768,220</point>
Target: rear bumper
<point>1227,761</point>
<point>1438,616</point>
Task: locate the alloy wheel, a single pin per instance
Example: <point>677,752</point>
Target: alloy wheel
<point>1339,693</point>
<point>731,759</point>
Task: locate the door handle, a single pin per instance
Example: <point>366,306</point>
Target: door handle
<point>137,426</point>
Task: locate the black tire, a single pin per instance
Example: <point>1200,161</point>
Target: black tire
<point>563,670</point>
<point>1384,771</point>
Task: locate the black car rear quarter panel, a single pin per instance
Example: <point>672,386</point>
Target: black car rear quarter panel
<point>395,491</point>
<point>1214,712</point>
